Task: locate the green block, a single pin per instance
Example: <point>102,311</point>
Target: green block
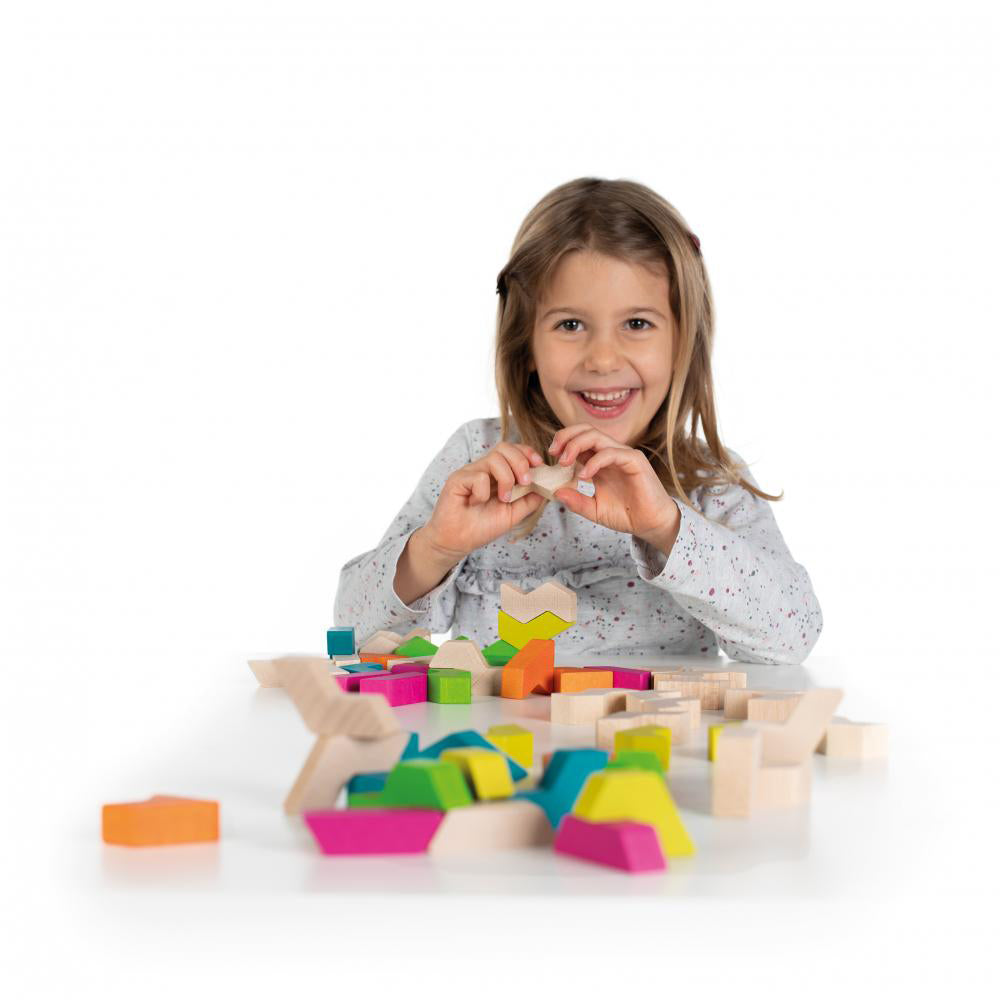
<point>364,800</point>
<point>417,646</point>
<point>447,686</point>
<point>460,638</point>
<point>423,783</point>
<point>498,653</point>
<point>643,760</point>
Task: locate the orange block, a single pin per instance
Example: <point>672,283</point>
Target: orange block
<point>163,819</point>
<point>530,669</point>
<point>379,659</point>
<point>581,679</point>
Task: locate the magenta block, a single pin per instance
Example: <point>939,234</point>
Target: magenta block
<point>352,682</point>
<point>399,689</point>
<point>634,847</point>
<point>373,831</point>
<point>410,667</point>
<point>634,678</point>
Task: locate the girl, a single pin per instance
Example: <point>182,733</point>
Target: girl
<point>603,347</point>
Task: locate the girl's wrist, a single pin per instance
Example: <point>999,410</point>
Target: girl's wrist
<point>663,537</point>
<point>437,555</point>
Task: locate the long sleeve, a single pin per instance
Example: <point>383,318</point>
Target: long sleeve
<point>731,569</point>
<point>365,596</point>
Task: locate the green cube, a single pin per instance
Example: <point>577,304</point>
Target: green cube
<point>446,686</point>
<point>423,783</point>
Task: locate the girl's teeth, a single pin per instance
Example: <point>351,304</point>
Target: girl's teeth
<point>605,396</point>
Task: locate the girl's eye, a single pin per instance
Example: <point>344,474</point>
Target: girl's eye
<point>634,329</point>
<point>637,319</point>
<point>562,326</point>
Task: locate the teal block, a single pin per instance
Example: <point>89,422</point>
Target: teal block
<point>563,780</point>
<point>470,738</point>
<point>340,641</point>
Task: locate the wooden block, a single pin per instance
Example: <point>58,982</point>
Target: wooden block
<point>488,683</point>
<point>640,796</point>
<point>736,771</point>
<point>582,678</point>
<point>518,634</point>
<point>735,702</point>
<point>328,711</point>
<point>630,846</point>
<point>606,727</point>
<point>713,736</point>
<point>270,672</point>
<point>498,653</point>
<point>333,760</point>
<point>485,770</point>
<point>710,693</point>
<point>677,720</point>
<point>515,741</point>
<point>782,786</point>
<point>730,678</point>
<point>446,686</point>
<point>771,707</point>
<point>373,831</point>
<point>531,670</point>
<point>546,479</point>
<point>491,826</point>
<point>382,641</point>
<point>340,641</point>
<point>426,784</point>
<point>564,776</point>
<point>653,738</point>
<point>855,740</point>
<point>416,646</point>
<point>468,738</point>
<point>159,821</point>
<point>635,700</point>
<point>524,605</point>
<point>793,741</point>
<point>396,688</point>
<point>460,654</point>
<point>579,708</point>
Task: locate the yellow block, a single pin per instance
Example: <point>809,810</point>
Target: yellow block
<point>545,626</point>
<point>516,742</point>
<point>653,738</point>
<point>637,795</point>
<point>486,770</point>
<point>713,736</point>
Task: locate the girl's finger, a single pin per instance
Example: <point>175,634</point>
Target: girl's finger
<point>623,457</point>
<point>533,457</point>
<point>502,472</point>
<point>519,463</point>
<point>564,434</point>
<point>481,488</point>
<point>577,502</point>
<point>593,439</point>
<point>525,507</point>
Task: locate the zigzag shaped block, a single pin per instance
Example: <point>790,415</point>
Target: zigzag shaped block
<point>523,605</point>
<point>519,634</point>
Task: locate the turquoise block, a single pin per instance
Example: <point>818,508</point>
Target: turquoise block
<point>370,781</point>
<point>340,641</point>
<point>563,779</point>
<point>470,738</point>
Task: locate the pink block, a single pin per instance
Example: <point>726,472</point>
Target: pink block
<point>634,678</point>
<point>635,847</point>
<point>399,689</point>
<point>373,831</point>
<point>410,667</point>
<point>351,682</point>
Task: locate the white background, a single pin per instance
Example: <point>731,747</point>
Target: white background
<point>248,254</point>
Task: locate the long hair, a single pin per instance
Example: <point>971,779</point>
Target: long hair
<point>628,221</point>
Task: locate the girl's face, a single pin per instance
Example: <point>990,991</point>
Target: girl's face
<point>604,326</point>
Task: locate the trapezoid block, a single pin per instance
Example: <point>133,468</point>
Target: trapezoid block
<point>373,831</point>
<point>160,821</point>
<point>624,844</point>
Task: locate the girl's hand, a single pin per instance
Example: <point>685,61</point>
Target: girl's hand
<point>628,495</point>
<point>472,511</point>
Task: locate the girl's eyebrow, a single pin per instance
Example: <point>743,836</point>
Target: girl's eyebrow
<point>583,312</point>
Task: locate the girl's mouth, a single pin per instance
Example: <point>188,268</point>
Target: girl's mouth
<point>600,405</point>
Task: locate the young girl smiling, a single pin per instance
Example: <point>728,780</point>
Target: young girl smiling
<point>603,361</point>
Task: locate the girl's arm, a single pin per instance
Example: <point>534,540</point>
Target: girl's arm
<point>366,597</point>
<point>730,568</point>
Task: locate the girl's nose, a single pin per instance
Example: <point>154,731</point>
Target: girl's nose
<point>603,354</point>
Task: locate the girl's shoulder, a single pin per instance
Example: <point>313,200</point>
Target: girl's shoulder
<point>482,434</point>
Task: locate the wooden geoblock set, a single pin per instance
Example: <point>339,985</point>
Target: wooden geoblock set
<point>367,787</point>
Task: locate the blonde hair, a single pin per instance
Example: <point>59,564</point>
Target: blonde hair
<point>630,222</point>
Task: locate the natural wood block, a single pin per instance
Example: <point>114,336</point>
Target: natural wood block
<point>159,821</point>
<point>383,641</point>
<point>737,767</point>
<point>793,741</point>
<point>546,479</point>
<point>334,760</point>
<point>578,708</point>
<point>677,720</point>
<point>582,678</point>
<point>490,826</point>
<point>269,672</point>
<point>634,700</point>
<point>713,736</point>
<point>606,727</point>
<point>328,711</point>
<point>710,693</point>
<point>782,786</point>
<point>855,740</point>
<point>735,702</point>
<point>771,707</point>
<point>551,596</point>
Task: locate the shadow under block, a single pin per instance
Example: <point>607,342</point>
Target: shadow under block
<point>562,780</point>
<point>855,740</point>
<point>486,771</point>
<point>373,831</point>
<point>545,480</point>
<point>518,634</point>
<point>426,784</point>
<point>582,678</point>
<point>641,796</point>
<point>328,711</point>
<point>488,826</point>
<point>334,760</point>
<point>524,605</point>
<point>532,669</point>
<point>655,739</point>
<point>159,821</point>
<point>340,641</point>
<point>624,844</point>
<point>581,708</point>
<point>515,741</point>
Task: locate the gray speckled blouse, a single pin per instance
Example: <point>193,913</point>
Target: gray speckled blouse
<point>730,580</point>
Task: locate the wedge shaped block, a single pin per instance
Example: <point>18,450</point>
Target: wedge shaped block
<point>625,844</point>
<point>642,796</point>
<point>515,741</point>
<point>160,821</point>
<point>417,646</point>
<point>373,831</point>
<point>485,770</point>
<point>523,605</point>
